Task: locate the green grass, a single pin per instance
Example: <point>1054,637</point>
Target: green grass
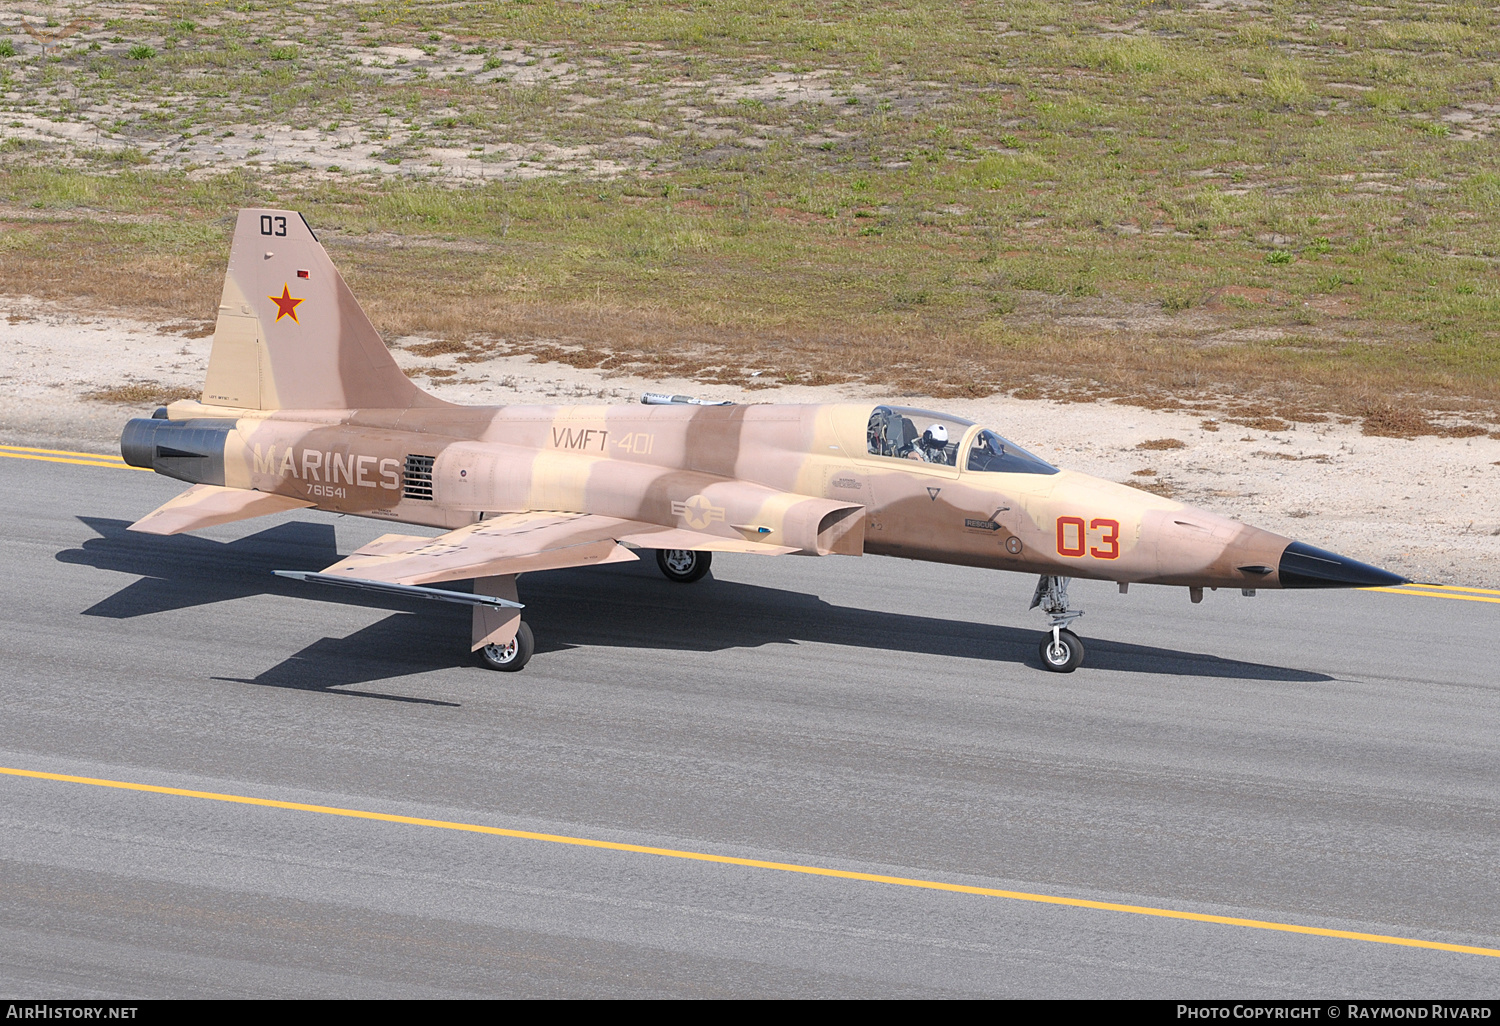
<point>958,187</point>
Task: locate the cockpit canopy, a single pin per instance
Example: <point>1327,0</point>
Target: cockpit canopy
<point>894,432</point>
<point>900,432</point>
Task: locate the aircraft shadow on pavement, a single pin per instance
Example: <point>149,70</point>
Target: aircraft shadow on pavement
<point>398,646</point>
<point>630,606</point>
<point>619,606</point>
<point>181,571</point>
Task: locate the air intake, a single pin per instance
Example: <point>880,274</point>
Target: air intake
<point>418,477</point>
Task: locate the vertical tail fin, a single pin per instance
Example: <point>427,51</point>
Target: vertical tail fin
<point>291,335</point>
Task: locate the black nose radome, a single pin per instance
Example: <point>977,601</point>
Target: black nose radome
<point>1303,566</point>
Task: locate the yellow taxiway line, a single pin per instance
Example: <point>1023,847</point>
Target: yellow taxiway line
<point>1456,587</point>
<point>1442,591</point>
<point>783,867</point>
<point>85,459</point>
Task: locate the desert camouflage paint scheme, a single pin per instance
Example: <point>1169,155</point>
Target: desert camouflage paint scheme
<point>303,407</point>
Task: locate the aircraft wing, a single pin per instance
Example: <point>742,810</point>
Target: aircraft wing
<point>521,543</point>
<point>206,505</point>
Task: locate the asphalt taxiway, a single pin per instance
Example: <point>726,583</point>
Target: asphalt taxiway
<point>1303,760</point>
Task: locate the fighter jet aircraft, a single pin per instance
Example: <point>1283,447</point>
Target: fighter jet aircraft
<point>304,407</point>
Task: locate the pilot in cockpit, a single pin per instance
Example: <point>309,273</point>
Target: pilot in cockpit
<point>932,447</point>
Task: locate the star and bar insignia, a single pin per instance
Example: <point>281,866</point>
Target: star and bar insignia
<point>286,304</point>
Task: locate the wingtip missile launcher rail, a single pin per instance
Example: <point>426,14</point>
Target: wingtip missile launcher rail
<point>663,399</point>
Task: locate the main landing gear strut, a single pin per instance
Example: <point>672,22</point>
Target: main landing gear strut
<point>684,566</point>
<point>1061,651</point>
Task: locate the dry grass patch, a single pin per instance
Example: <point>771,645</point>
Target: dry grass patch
<point>1157,444</point>
<point>1315,457</point>
<point>143,393</point>
<point>1156,486</point>
<point>188,329</point>
<point>1261,423</point>
<point>440,347</point>
<point>1387,420</point>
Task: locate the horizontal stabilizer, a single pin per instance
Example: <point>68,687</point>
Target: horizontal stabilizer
<point>462,598</point>
<point>206,505</point>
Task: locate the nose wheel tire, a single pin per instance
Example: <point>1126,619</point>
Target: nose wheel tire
<point>1063,655</point>
<point>683,566</point>
<point>513,656</point>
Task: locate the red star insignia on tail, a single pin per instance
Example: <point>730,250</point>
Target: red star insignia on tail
<point>286,304</point>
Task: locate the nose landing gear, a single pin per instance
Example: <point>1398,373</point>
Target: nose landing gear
<point>1061,650</point>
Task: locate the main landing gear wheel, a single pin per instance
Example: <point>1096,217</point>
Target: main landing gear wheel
<point>683,566</point>
<point>513,656</point>
<point>1063,655</point>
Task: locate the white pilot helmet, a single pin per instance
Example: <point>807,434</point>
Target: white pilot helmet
<point>935,436</point>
